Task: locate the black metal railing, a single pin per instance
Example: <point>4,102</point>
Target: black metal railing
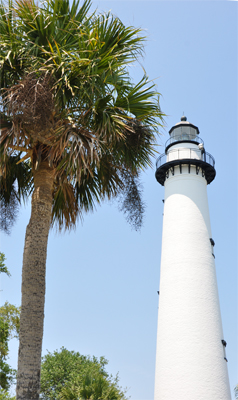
<point>181,138</point>
<point>184,153</point>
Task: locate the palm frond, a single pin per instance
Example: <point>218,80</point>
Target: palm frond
<point>67,98</point>
<point>16,185</point>
<point>15,176</point>
<point>130,200</point>
<point>65,210</point>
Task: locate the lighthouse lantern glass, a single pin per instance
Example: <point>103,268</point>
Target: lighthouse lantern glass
<point>184,133</point>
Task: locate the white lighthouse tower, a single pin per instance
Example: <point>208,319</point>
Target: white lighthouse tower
<point>191,361</point>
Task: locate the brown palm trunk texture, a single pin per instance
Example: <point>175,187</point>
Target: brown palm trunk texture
<point>33,286</point>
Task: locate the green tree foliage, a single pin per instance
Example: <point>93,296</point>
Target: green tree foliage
<point>5,370</point>
<point>236,392</point>
<point>69,375</point>
<point>3,268</point>
<point>9,328</point>
<point>4,395</point>
<point>10,314</point>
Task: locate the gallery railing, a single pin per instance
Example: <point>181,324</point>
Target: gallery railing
<point>188,154</point>
<point>183,138</point>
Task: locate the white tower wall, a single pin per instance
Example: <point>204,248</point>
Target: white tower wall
<point>190,362</point>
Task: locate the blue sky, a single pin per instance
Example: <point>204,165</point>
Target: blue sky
<point>102,278</point>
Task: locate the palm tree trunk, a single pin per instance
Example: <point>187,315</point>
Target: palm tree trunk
<point>33,286</point>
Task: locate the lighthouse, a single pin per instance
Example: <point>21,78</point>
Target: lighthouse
<point>191,361</point>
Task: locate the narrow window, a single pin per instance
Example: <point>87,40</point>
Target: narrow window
<point>212,245</point>
<point>224,349</point>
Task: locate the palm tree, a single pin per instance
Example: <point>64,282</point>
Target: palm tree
<point>74,130</point>
<point>92,385</point>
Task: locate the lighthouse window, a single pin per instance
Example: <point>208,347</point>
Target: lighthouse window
<point>185,136</point>
<point>212,245</point>
<point>224,349</point>
<point>212,242</point>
